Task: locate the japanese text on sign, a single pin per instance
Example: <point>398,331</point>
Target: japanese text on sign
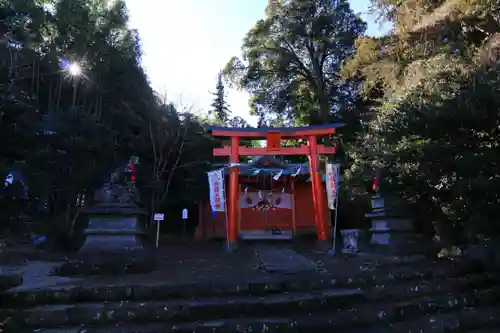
<point>216,182</point>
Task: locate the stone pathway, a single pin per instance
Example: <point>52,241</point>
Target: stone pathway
<point>37,275</point>
<point>283,260</point>
<point>262,288</point>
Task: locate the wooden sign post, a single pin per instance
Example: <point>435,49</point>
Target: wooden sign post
<point>158,217</point>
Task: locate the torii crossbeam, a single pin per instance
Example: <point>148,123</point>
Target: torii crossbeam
<point>273,136</point>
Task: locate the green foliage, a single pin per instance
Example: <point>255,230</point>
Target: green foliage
<point>219,107</point>
<point>291,61</point>
<point>175,157</point>
<point>436,130</point>
<point>66,132</point>
<point>220,110</point>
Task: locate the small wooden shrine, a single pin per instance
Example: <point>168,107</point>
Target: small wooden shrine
<point>275,202</point>
<point>265,209</point>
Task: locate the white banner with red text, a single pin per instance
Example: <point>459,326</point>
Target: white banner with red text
<point>332,183</point>
<point>216,186</point>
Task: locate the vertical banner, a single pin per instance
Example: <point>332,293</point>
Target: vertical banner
<point>216,186</point>
<point>376,180</point>
<point>332,183</point>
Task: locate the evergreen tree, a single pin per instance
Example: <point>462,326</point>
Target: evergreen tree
<point>75,104</point>
<point>436,131</point>
<point>219,107</point>
<point>291,61</point>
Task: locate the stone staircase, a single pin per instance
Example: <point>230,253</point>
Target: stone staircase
<point>421,297</point>
<point>9,279</point>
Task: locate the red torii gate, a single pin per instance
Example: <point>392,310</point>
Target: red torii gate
<point>273,136</point>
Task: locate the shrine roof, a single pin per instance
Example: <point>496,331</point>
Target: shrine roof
<point>253,169</point>
<point>267,162</point>
<point>293,169</point>
<point>260,132</point>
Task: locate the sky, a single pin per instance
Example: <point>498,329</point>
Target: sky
<point>186,43</point>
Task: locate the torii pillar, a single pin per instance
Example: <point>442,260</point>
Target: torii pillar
<point>273,136</point>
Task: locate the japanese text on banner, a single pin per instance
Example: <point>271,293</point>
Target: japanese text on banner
<point>332,183</point>
<point>216,185</point>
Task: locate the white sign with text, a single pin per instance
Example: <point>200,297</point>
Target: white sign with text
<point>159,217</point>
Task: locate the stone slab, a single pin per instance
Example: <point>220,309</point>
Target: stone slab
<point>115,209</point>
<point>9,280</point>
<point>38,275</point>
<point>437,314</point>
<point>113,222</point>
<point>392,223</point>
<point>106,242</point>
<point>99,313</point>
<point>265,235</point>
<point>283,260</point>
<point>113,234</point>
<point>120,261</point>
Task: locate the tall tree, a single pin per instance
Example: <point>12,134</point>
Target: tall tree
<point>436,131</point>
<point>292,57</point>
<point>219,106</point>
<point>68,127</point>
<point>178,149</point>
<point>238,122</point>
<point>75,104</point>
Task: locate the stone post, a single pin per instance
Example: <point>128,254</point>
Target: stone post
<point>115,235</point>
<point>392,232</point>
<point>114,227</point>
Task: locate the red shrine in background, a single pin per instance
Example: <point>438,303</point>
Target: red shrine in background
<point>273,137</point>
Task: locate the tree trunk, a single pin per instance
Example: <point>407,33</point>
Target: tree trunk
<point>324,115</point>
<point>324,109</point>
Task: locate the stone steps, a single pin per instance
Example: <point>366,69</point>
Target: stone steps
<point>145,290</point>
<point>9,279</point>
<point>443,314</point>
<point>180,310</point>
<point>387,274</point>
<point>148,291</point>
<point>414,288</point>
<point>405,287</point>
<point>192,310</point>
<point>368,302</point>
<point>477,319</point>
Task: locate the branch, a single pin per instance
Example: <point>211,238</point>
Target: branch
<point>170,151</point>
<point>326,53</point>
<point>296,61</point>
<point>189,164</point>
<point>174,167</point>
<point>317,66</point>
<point>154,146</point>
<point>161,159</point>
